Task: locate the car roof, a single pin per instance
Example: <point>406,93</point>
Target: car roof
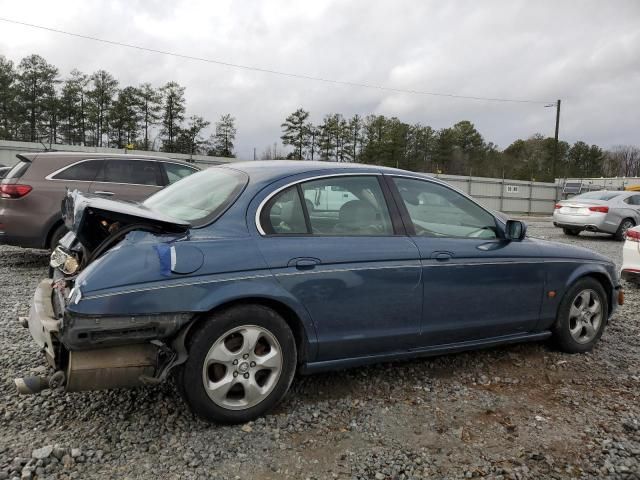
<point>74,156</point>
<point>265,170</point>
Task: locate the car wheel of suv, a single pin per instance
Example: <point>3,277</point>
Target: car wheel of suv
<point>582,316</point>
<point>572,232</point>
<point>57,234</point>
<point>241,364</point>
<point>625,225</point>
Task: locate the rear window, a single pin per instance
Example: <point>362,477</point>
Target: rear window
<point>18,169</point>
<point>601,195</point>
<point>200,198</point>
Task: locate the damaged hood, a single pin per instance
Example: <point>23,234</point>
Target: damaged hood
<point>92,218</point>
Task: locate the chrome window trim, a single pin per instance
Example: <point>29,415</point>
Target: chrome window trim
<point>60,170</point>
<point>296,182</point>
<point>149,159</point>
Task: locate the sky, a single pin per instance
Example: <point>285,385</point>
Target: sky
<point>586,53</point>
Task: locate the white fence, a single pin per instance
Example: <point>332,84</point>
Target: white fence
<point>509,196</point>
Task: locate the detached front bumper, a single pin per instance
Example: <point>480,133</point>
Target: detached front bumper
<point>43,324</point>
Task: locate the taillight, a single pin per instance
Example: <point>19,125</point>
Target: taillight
<point>558,206</point>
<point>632,236</point>
<point>14,191</point>
<point>599,209</point>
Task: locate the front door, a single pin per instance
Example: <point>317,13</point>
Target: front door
<point>332,244</point>
<point>476,284</point>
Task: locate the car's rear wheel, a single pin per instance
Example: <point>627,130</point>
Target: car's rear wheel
<point>571,231</point>
<point>241,363</point>
<point>582,316</point>
<point>625,225</point>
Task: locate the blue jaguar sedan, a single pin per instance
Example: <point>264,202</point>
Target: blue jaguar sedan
<point>235,278</point>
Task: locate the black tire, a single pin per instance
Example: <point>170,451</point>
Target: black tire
<point>625,225</point>
<point>59,232</point>
<point>214,330</point>
<point>572,232</point>
<point>564,323</point>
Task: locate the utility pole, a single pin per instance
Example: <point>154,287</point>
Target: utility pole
<point>254,153</point>
<point>555,145</point>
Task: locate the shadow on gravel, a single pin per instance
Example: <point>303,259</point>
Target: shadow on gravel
<point>23,257</point>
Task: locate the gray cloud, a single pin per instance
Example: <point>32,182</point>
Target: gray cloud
<point>586,53</point>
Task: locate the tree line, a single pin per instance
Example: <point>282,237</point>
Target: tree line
<point>94,110</point>
<point>37,105</point>
<point>458,150</point>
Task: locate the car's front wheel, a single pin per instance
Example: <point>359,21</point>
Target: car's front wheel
<point>582,316</point>
<point>241,363</point>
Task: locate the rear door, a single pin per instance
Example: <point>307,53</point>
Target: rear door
<point>332,243</point>
<point>124,179</point>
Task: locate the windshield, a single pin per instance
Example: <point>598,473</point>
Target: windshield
<point>600,195</point>
<point>201,197</point>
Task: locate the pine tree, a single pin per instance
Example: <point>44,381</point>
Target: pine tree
<point>173,108</point>
<point>35,87</point>
<point>100,98</point>
<point>150,110</point>
<point>224,137</point>
<point>296,133</point>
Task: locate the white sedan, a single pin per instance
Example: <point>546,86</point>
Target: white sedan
<point>631,256</point>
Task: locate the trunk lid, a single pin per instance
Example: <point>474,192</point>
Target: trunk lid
<point>580,207</point>
<point>93,219</point>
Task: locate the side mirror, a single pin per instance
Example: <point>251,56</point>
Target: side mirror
<point>515,230</point>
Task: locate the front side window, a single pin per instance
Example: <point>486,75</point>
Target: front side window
<point>438,211</point>
<point>176,171</point>
<point>138,172</point>
<point>200,198</point>
<point>85,171</point>
<point>333,206</point>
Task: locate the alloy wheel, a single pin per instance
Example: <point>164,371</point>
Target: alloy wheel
<point>242,367</point>
<point>585,316</point>
<point>626,225</point>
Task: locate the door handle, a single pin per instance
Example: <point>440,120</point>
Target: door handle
<point>306,263</point>
<point>102,192</point>
<point>442,256</point>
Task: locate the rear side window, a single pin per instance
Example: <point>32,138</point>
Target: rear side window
<point>18,169</point>
<point>633,200</point>
<point>283,214</point>
<point>139,172</point>
<point>336,206</point>
<point>176,171</point>
<point>85,171</point>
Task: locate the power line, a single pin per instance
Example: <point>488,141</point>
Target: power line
<point>272,72</point>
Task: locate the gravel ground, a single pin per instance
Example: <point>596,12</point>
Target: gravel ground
<point>523,411</point>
